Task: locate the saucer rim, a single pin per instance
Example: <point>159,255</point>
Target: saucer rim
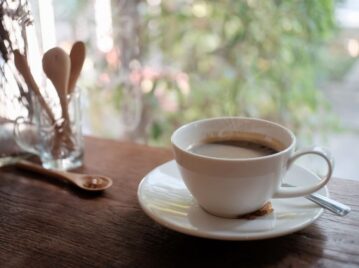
<point>248,236</point>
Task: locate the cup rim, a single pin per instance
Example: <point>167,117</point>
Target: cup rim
<point>288,148</point>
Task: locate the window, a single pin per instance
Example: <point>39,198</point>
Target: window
<point>153,65</point>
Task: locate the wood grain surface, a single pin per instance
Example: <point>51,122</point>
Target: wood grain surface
<point>44,223</point>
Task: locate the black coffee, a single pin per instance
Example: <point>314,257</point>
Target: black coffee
<point>235,148</point>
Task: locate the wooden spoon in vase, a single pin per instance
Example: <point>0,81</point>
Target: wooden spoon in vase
<point>56,65</point>
<point>77,57</point>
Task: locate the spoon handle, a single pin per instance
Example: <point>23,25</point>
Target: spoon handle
<point>330,204</point>
<point>26,165</point>
<point>326,202</point>
<point>77,57</point>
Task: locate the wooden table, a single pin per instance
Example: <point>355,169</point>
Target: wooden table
<point>46,224</point>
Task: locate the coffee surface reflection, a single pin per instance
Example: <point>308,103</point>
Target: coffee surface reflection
<point>234,148</point>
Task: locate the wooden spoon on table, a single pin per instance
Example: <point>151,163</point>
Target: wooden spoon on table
<point>23,68</point>
<point>84,181</point>
<point>77,57</point>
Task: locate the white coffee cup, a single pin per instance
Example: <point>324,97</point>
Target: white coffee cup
<point>228,187</point>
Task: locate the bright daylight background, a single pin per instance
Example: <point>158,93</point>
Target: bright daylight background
<point>153,65</point>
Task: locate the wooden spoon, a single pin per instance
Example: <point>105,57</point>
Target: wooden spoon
<point>77,57</point>
<point>23,68</point>
<point>83,181</point>
<point>56,64</point>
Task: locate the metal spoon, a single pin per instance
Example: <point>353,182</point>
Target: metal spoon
<point>327,203</point>
<point>83,181</point>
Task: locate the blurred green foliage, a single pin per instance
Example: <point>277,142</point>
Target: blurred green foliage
<point>200,59</point>
<point>248,58</point>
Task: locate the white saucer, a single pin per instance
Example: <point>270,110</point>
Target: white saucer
<point>164,197</point>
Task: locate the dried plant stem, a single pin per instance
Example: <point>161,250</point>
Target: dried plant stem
<point>23,68</point>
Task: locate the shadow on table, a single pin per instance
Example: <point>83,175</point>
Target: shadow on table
<point>162,246</point>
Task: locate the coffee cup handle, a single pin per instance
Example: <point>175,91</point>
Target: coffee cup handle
<point>285,192</point>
